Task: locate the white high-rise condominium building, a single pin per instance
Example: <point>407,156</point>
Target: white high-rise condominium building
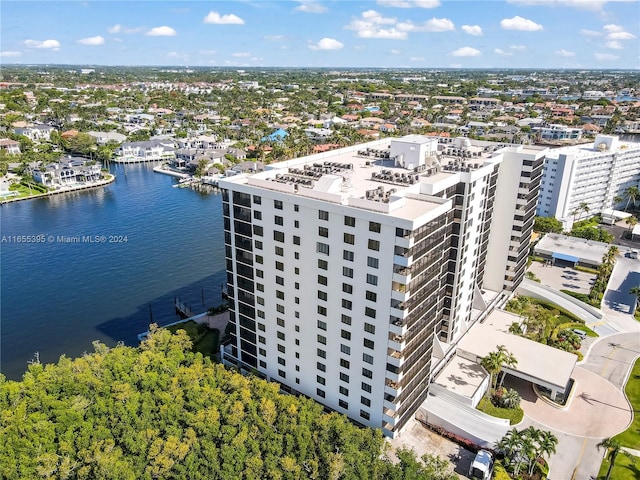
<point>593,173</point>
<point>351,274</point>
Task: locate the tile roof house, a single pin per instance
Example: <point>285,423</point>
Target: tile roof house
<point>10,146</point>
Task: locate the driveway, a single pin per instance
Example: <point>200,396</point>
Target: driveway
<point>599,397</point>
<point>563,278</point>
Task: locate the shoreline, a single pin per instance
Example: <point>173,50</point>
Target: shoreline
<point>170,172</point>
<point>110,179</point>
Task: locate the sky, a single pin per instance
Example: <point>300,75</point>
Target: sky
<point>585,34</point>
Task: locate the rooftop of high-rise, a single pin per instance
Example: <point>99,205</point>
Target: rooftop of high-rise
<point>392,175</point>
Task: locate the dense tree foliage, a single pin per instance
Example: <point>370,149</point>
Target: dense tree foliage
<point>160,411</point>
<point>547,225</point>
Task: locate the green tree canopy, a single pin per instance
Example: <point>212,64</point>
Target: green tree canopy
<point>161,411</point>
<point>547,225</point>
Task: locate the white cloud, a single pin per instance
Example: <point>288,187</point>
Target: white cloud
<point>612,27</point>
<point>217,19</point>
<point>409,3</point>
<point>564,53</point>
<point>375,17</point>
<point>518,48</point>
<point>474,30</point>
<point>370,26</point>
<point>614,45</point>
<point>52,44</point>
<point>308,6</point>
<point>594,5</point>
<point>394,51</point>
<point>433,25</point>
<point>439,25</point>
<point>8,54</point>
<point>426,3</point>
<point>621,36</point>
<point>162,31</point>
<point>590,33</point>
<point>207,52</point>
<point>241,54</point>
<point>605,56</point>
<point>394,3</point>
<point>502,53</point>
<point>117,28</point>
<point>416,59</point>
<point>519,23</point>
<point>327,44</point>
<point>97,40</point>
<point>466,52</point>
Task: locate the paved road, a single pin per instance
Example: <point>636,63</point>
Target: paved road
<point>610,356</point>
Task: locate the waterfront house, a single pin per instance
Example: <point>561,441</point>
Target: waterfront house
<point>144,151</point>
<point>68,171</point>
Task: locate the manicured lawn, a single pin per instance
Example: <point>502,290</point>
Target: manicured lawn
<point>631,436</point>
<point>205,340</point>
<point>23,190</point>
<point>624,469</point>
<point>514,415</point>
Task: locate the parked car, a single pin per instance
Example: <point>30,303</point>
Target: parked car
<point>633,254</point>
<point>581,333</point>
<point>482,466</point>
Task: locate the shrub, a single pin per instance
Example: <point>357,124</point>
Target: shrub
<point>506,398</point>
<point>514,415</point>
<point>583,297</point>
<point>582,268</point>
<point>499,473</point>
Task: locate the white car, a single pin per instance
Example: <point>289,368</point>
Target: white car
<point>482,466</point>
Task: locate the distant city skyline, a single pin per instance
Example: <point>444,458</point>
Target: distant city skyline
<point>586,34</point>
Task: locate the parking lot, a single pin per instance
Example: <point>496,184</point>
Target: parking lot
<point>563,277</point>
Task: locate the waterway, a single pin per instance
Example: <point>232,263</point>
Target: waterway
<point>113,259</point>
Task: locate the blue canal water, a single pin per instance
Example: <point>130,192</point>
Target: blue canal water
<point>57,297</point>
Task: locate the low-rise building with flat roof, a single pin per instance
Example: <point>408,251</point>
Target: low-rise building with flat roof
<point>563,249</point>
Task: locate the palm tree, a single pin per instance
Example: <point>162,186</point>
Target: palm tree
<point>617,199</point>
<point>510,399</point>
<point>631,194</point>
<point>613,447</point>
<point>636,291</point>
<point>508,359</point>
<point>494,361</point>
<point>632,222</point>
<point>583,207</point>
<point>509,444</point>
<point>547,442</point>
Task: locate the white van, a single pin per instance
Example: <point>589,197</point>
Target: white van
<point>482,466</point>
<point>633,254</point>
